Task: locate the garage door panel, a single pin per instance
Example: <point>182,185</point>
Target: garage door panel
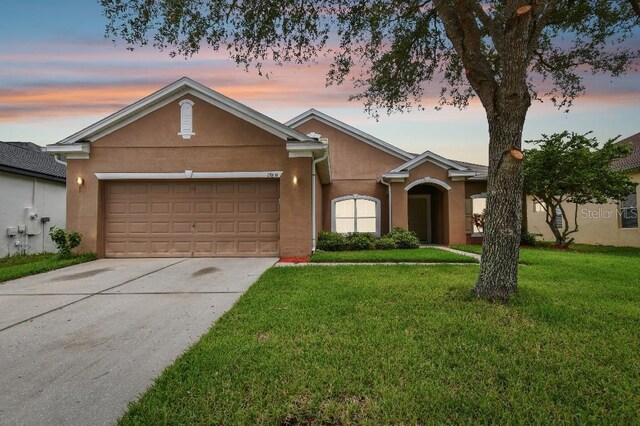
<point>225,227</point>
<point>165,219</point>
<point>269,227</point>
<point>269,248</point>
<point>268,206</point>
<point>181,227</point>
<point>182,207</point>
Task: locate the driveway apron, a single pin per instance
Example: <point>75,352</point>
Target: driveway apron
<point>78,344</point>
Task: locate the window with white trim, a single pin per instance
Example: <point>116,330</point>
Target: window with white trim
<point>355,213</point>
<point>629,211</point>
<point>186,119</point>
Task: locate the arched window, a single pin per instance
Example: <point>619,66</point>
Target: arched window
<point>186,119</point>
<point>355,213</point>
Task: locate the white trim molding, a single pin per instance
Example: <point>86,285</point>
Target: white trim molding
<point>76,151</point>
<point>190,174</point>
<point>430,180</point>
<point>356,197</point>
<point>307,149</point>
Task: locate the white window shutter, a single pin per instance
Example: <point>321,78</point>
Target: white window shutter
<point>186,119</point>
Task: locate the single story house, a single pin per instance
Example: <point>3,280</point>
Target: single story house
<point>33,194</point>
<point>187,171</point>
<point>612,224</point>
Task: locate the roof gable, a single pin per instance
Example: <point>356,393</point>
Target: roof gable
<point>431,157</point>
<point>351,131</point>
<point>170,93</point>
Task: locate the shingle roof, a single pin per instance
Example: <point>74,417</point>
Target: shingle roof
<point>27,158</point>
<point>632,161</point>
<point>483,171</point>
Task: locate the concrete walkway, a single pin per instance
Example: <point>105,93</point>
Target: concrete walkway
<point>77,344</point>
<point>452,250</point>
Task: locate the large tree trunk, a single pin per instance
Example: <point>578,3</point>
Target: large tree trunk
<point>498,277</point>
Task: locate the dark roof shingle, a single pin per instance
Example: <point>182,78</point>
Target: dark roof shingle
<point>27,158</point>
<point>632,161</point>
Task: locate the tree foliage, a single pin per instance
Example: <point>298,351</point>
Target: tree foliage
<point>392,47</point>
<point>569,168</point>
<point>505,52</point>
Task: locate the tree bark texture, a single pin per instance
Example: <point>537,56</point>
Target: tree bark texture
<point>498,277</point>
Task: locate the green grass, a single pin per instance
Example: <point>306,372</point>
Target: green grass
<point>409,345</point>
<point>573,248</point>
<point>426,255</point>
<point>21,266</point>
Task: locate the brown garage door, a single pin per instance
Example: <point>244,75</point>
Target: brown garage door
<point>175,219</point>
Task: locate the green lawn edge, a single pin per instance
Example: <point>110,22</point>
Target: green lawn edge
<point>420,255</point>
<point>15,267</point>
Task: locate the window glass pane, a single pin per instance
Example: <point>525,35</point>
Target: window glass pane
<point>366,208</point>
<point>479,204</point>
<point>345,225</point>
<point>345,208</point>
<point>629,211</point>
<point>630,201</point>
<point>367,225</point>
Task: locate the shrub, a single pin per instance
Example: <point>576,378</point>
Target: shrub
<point>528,239</point>
<point>331,241</point>
<point>404,238</point>
<point>385,243</point>
<point>64,241</point>
<point>361,241</point>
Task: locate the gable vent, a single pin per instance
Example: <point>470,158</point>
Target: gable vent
<point>186,119</point>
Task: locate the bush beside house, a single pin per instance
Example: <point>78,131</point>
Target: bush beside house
<point>397,238</point>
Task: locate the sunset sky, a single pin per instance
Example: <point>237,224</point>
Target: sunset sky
<point>59,74</point>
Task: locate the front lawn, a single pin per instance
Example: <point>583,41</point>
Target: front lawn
<point>409,345</point>
<point>421,255</point>
<point>21,266</point>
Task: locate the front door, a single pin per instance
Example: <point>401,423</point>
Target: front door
<point>420,216</point>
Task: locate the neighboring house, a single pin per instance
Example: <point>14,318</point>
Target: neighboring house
<point>33,194</point>
<point>615,223</point>
<point>187,171</point>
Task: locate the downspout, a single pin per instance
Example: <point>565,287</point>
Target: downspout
<point>313,199</point>
<point>58,160</point>
<point>388,185</point>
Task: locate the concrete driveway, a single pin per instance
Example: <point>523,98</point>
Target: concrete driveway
<point>77,344</point>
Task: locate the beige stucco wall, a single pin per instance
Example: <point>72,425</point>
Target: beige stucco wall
<point>598,223</point>
<point>222,143</point>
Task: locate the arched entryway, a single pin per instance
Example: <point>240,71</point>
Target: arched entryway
<point>427,211</point>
